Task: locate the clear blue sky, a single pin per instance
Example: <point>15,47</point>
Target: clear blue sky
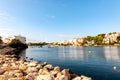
<point>56,20</point>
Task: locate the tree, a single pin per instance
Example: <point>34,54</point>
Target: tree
<point>109,33</point>
<point>99,39</point>
<point>15,43</point>
<point>102,35</point>
<point>114,32</point>
<point>84,41</point>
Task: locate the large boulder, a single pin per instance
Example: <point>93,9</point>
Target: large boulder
<point>31,69</point>
<point>62,77</point>
<point>13,73</point>
<point>44,77</point>
<point>44,72</point>
<point>2,71</point>
<point>31,76</point>
<point>39,66</point>
<point>55,71</point>
<point>85,77</point>
<point>66,73</point>
<point>77,78</point>
<point>33,64</point>
<point>48,66</point>
<point>23,67</point>
<point>57,68</point>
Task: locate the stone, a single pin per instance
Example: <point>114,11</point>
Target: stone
<point>40,71</point>
<point>48,66</point>
<point>8,59</point>
<point>77,78</point>
<point>73,75</point>
<point>33,64</point>
<point>59,74</point>
<point>26,63</point>
<point>5,65</point>
<point>31,75</point>
<point>14,59</point>
<point>55,71</point>
<point>85,77</point>
<point>21,61</point>
<point>13,73</point>
<point>62,77</point>
<point>66,72</point>
<point>16,71</point>
<point>44,77</point>
<point>19,74</point>
<point>14,66</point>
<point>2,71</point>
<point>2,77</point>
<point>45,63</point>
<point>23,67</point>
<point>16,78</point>
<point>39,66</point>
<point>31,69</point>
<point>57,68</point>
<point>43,72</point>
<point>28,77</point>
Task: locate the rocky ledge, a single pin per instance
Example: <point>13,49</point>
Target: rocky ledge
<point>12,68</point>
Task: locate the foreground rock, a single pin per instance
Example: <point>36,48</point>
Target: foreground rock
<point>11,68</point>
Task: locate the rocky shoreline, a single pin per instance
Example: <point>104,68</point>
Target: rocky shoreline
<point>13,68</point>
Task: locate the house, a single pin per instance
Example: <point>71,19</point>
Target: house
<point>10,38</point>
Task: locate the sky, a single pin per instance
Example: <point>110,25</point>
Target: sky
<point>57,20</point>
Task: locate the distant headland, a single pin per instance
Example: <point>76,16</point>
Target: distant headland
<point>110,39</point>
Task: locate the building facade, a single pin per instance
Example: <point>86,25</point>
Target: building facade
<point>19,37</point>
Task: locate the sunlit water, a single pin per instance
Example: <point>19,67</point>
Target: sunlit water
<point>96,62</point>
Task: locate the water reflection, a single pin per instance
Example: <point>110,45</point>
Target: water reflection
<point>96,62</point>
<point>112,53</point>
<point>89,53</point>
<point>71,53</point>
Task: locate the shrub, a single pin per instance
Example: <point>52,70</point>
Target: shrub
<point>15,43</point>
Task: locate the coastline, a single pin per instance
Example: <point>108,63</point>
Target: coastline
<point>12,67</point>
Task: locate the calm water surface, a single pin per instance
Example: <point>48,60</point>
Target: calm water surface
<point>96,62</point>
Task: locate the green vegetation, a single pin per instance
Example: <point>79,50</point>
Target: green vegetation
<point>94,40</point>
<point>118,38</point>
<point>38,44</point>
<point>15,43</point>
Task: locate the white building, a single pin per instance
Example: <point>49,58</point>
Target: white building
<point>19,37</point>
<point>8,39</point>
